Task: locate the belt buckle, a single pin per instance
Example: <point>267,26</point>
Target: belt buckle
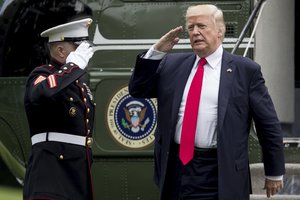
<point>89,141</point>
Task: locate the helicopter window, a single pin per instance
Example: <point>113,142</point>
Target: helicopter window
<point>21,47</point>
<point>1,3</point>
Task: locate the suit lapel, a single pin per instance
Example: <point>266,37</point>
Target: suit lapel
<point>226,78</point>
<point>182,76</point>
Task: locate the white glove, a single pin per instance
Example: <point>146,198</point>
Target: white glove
<point>81,55</point>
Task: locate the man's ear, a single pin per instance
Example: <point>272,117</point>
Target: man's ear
<point>60,51</point>
<point>220,33</point>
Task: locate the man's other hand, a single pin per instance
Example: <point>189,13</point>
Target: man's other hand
<point>272,187</point>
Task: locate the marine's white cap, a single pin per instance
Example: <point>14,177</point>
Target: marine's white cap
<point>72,31</point>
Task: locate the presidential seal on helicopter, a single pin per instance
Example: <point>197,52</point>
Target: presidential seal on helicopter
<point>131,121</point>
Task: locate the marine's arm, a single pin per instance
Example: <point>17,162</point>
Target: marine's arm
<point>46,81</point>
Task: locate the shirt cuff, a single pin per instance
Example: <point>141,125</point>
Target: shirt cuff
<point>153,54</point>
<point>275,178</point>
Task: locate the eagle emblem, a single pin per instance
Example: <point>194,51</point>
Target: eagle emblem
<point>135,113</point>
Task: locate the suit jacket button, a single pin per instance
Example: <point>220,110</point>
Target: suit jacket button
<point>61,157</point>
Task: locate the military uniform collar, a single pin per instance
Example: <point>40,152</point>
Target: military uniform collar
<point>56,63</point>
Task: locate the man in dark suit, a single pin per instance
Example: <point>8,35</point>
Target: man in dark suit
<point>60,111</point>
<point>232,93</point>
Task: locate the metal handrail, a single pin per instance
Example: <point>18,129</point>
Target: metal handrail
<point>247,25</point>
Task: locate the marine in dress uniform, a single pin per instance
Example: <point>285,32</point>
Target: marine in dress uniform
<point>60,112</point>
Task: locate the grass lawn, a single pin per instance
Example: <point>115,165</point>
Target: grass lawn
<point>10,193</point>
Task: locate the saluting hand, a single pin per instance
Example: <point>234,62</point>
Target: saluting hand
<point>81,55</point>
<point>272,187</point>
<point>167,41</point>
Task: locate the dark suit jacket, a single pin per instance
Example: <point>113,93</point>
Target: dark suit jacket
<point>243,96</point>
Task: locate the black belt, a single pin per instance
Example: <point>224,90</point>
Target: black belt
<point>202,152</point>
<point>210,152</point>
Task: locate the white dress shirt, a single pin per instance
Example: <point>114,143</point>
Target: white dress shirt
<point>206,131</point>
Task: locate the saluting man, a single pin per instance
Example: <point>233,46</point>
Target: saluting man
<point>60,112</point>
<point>206,102</point>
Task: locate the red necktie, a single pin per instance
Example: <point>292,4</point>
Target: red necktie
<point>189,124</point>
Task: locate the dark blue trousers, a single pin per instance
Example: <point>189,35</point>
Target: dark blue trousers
<point>198,180</point>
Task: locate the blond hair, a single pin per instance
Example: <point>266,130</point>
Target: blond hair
<point>208,9</point>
